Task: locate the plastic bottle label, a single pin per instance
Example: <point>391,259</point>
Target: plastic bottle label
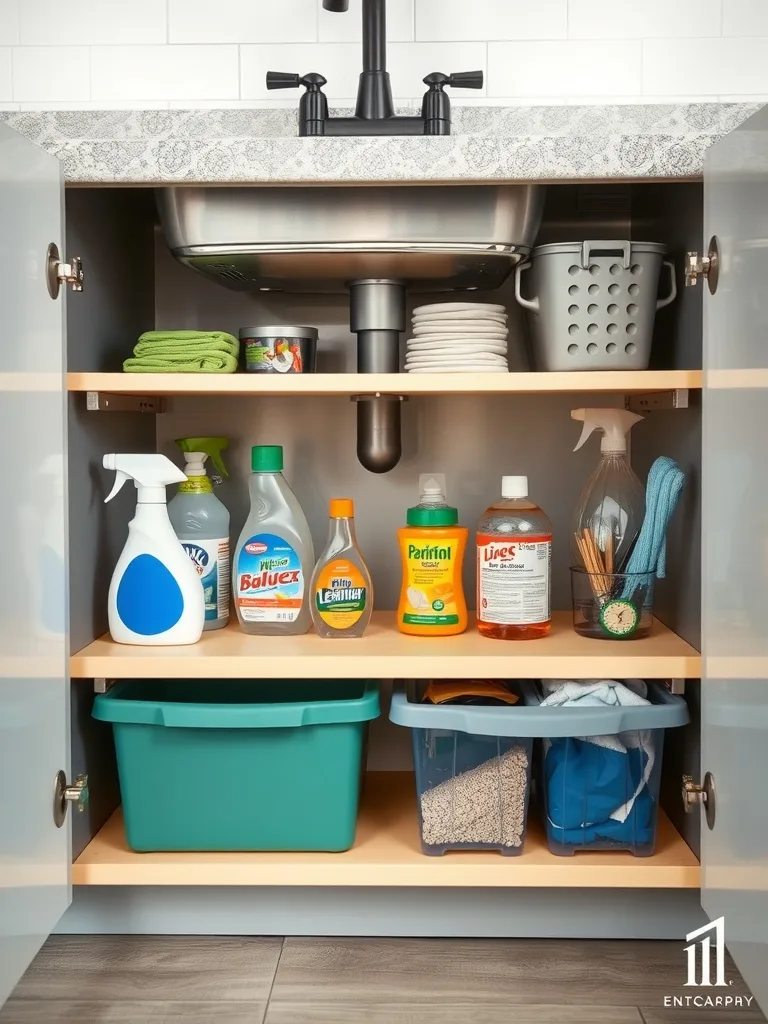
<point>269,584</point>
<point>196,485</point>
<point>513,579</point>
<point>211,561</point>
<point>340,594</point>
<point>430,598</point>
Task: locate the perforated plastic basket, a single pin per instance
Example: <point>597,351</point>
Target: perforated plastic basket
<point>593,304</point>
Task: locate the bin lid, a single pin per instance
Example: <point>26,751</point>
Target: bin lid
<point>238,703</point>
<point>598,248</point>
<point>530,720</point>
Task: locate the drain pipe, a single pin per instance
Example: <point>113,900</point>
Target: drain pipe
<point>377,317</point>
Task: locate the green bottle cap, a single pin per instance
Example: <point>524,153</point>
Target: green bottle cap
<point>444,516</point>
<point>267,458</point>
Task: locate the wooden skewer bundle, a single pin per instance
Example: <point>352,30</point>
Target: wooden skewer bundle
<point>599,572</point>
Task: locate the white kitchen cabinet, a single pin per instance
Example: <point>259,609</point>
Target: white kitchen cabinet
<point>474,430</point>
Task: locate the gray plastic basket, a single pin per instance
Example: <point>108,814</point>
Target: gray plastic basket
<point>594,303</point>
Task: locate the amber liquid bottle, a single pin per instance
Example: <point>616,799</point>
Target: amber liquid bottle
<point>514,566</point>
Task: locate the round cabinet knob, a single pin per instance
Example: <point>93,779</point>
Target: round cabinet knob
<point>64,795</point>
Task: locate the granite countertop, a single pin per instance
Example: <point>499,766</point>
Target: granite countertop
<point>557,143</point>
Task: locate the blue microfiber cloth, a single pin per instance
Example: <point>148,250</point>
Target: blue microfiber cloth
<point>665,485</point>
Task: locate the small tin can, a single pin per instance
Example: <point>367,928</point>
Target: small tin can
<point>279,349</point>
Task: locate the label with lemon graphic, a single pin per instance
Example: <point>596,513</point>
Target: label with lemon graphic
<point>340,594</point>
<point>430,593</point>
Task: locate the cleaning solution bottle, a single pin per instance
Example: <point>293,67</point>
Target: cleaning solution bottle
<point>432,548</point>
<point>611,508</point>
<point>155,595</point>
<point>514,566</point>
<point>274,557</point>
<point>341,588</point>
<point>201,523</point>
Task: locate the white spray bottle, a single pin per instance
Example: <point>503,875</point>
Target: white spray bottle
<point>155,597</point>
<point>612,503</point>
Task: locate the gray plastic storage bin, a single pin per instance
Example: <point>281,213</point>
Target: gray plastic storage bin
<point>592,305</point>
<point>599,771</point>
<point>473,772</point>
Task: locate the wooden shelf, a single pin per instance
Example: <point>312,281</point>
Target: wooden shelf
<point>387,853</point>
<point>385,653</point>
<point>170,384</point>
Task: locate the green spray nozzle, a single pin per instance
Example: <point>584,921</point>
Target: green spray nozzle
<point>212,446</point>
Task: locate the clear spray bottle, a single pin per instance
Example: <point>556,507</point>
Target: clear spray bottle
<point>611,508</point>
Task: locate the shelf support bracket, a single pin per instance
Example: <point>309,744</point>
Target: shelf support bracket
<point>676,686</point>
<point>100,401</point>
<point>657,401</point>
<point>102,685</point>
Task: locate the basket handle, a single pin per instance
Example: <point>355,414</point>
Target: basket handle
<point>611,245</point>
<point>532,304</point>
<point>673,286</point>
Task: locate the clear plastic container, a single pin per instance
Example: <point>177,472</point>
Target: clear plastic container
<point>472,773</point>
<point>514,566</point>
<point>615,606</point>
<point>598,771</point>
<point>274,557</point>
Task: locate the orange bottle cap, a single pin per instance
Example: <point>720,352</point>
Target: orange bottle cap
<point>342,508</point>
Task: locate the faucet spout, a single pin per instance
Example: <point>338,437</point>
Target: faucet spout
<point>374,92</point>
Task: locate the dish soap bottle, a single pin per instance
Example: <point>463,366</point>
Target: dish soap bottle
<point>341,588</point>
<point>201,523</point>
<point>155,595</point>
<point>274,557</point>
<point>432,548</point>
<point>611,508</point>
<point>514,566</point>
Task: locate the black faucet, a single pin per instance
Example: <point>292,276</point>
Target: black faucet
<point>374,112</point>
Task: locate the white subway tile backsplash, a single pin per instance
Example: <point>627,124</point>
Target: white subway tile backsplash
<point>174,72</point>
<point>89,22</point>
<point>242,21</point>
<point>9,22</point>
<point>6,78</point>
<point>347,27</point>
<point>722,65</point>
<point>491,19</point>
<point>340,63</point>
<point>635,19</point>
<point>126,104</point>
<point>43,72</point>
<point>565,68</point>
<point>745,18</point>
<point>408,64</point>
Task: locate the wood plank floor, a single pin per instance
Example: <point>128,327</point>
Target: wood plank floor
<point>235,980</point>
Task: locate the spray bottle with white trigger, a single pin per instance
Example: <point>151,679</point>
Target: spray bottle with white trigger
<point>612,503</point>
<point>155,597</point>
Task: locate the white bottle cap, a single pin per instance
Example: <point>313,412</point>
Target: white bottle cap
<point>514,487</point>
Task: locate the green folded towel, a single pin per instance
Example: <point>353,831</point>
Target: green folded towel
<point>184,352</point>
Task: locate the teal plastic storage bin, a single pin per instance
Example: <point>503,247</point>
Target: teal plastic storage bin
<point>239,764</point>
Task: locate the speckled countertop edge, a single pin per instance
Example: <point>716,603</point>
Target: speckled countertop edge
<point>489,144</point>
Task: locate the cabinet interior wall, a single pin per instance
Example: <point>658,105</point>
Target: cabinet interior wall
<point>134,284</point>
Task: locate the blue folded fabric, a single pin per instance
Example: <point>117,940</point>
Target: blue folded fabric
<point>586,783</point>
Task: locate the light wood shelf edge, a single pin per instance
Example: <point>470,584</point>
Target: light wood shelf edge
<point>387,853</point>
<point>388,383</point>
<point>385,653</point>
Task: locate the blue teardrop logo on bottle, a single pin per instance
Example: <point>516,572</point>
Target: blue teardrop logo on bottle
<point>149,600</point>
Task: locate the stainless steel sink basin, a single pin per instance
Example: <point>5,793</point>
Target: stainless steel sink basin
<point>306,238</point>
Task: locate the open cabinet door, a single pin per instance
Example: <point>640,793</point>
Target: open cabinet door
<point>34,683</point>
<point>735,588</point>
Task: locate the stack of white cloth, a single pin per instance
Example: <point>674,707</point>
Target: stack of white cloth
<point>458,337</point>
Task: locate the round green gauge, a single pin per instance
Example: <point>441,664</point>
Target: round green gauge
<point>619,617</point>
